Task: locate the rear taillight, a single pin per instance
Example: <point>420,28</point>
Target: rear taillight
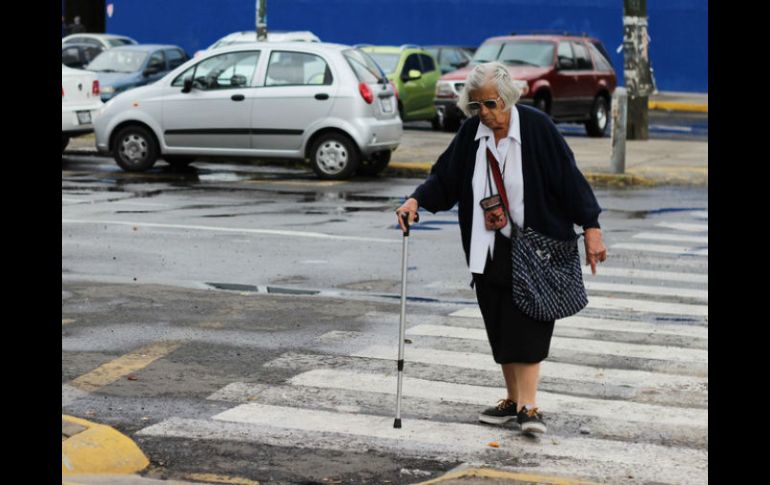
<point>395,89</point>
<point>95,88</point>
<point>366,93</point>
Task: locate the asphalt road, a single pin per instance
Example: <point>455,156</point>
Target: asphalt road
<point>261,306</point>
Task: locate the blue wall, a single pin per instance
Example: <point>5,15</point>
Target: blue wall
<point>678,28</point>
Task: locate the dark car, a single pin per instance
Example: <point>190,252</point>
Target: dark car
<point>77,55</point>
<point>570,77</point>
<point>122,68</point>
<point>450,58</point>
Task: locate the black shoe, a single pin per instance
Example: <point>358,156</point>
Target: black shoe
<point>502,413</point>
<point>531,421</point>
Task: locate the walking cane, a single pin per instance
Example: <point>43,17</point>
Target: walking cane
<point>402,323</point>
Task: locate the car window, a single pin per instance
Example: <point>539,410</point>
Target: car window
<point>412,62</point>
<point>366,69</point>
<point>388,62</point>
<point>225,71</point>
<point>70,56</point>
<point>451,58</point>
<point>117,60</point>
<point>76,40</point>
<point>565,53</point>
<point>297,69</point>
<point>91,52</point>
<point>428,65</point>
<point>582,57</point>
<point>91,41</point>
<point>602,63</point>
<point>527,53</point>
<point>115,42</point>
<point>156,60</point>
<point>487,52</point>
<point>433,51</point>
<point>175,58</point>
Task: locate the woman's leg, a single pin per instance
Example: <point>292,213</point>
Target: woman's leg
<point>526,376</point>
<point>510,382</point>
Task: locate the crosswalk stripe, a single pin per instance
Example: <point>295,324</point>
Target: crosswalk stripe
<point>684,226</point>
<point>485,396</point>
<point>643,351</point>
<point>662,248</point>
<point>648,274</point>
<point>660,236</point>
<point>306,428</point>
<point>647,290</point>
<point>700,214</point>
<point>604,303</point>
<point>551,369</point>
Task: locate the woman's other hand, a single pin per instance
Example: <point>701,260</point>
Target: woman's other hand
<point>410,207</point>
<point>596,252</point>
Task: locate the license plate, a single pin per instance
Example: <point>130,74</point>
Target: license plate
<point>84,117</point>
<point>387,106</point>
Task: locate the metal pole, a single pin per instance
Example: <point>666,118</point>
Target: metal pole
<point>261,20</point>
<point>619,110</point>
<point>636,67</point>
<point>402,321</point>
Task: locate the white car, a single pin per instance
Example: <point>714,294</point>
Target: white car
<point>106,41</point>
<point>79,103</point>
<point>251,36</point>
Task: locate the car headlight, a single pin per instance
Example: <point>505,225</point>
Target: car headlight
<point>108,89</point>
<point>522,85</point>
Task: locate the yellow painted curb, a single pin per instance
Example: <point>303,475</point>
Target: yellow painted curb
<point>99,449</point>
<point>422,166</point>
<point>499,474</point>
<point>676,106</point>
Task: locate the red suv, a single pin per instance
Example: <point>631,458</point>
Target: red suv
<point>570,77</point>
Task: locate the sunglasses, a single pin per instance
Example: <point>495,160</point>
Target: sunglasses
<point>489,103</point>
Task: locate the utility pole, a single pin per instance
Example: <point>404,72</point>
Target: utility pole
<point>261,20</point>
<point>636,67</point>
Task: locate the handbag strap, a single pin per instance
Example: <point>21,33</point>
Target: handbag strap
<point>498,178</point>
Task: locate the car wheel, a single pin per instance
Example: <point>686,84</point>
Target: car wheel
<point>375,164</point>
<point>64,142</point>
<point>178,161</point>
<point>597,125</point>
<point>333,156</point>
<point>436,123</point>
<point>541,103</point>
<point>135,149</point>
<point>401,111</point>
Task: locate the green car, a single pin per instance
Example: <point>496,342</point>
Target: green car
<point>414,72</point>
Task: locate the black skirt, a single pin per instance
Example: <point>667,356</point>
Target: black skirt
<point>513,335</point>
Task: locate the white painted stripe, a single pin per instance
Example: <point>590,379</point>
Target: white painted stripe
<point>485,396</point>
<point>700,214</point>
<point>600,375</point>
<point>674,128</point>
<point>684,226</point>
<point>661,236</point>
<point>647,274</point>
<point>647,290</point>
<point>623,304</point>
<point>695,331</point>
<point>272,232</point>
<point>612,461</point>
<point>588,346</point>
<point>661,248</point>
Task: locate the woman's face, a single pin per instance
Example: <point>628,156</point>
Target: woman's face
<point>495,118</point>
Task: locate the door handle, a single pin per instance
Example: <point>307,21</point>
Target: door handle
<point>321,96</point>
<point>237,97</point>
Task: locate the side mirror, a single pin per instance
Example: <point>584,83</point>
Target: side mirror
<point>151,70</point>
<point>566,63</point>
<point>413,75</point>
<point>188,85</point>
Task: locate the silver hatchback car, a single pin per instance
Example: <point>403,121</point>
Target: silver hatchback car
<point>327,103</point>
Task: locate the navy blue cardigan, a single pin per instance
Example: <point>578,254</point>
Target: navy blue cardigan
<point>556,195</point>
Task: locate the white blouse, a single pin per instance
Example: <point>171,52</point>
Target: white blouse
<point>509,151</point>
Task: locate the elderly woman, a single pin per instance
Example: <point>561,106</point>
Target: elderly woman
<point>545,191</point>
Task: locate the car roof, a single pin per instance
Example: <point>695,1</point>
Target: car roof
<point>551,37</point>
<point>70,45</point>
<point>145,47</point>
<point>281,45</point>
<point>99,36</point>
<point>246,33</point>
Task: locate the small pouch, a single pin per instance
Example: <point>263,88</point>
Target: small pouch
<point>494,212</point>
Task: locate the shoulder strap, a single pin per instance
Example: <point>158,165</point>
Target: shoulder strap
<point>498,178</point>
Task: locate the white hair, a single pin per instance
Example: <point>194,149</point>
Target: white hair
<point>482,75</point>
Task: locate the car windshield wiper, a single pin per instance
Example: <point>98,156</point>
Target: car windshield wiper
<point>518,62</point>
<point>105,70</point>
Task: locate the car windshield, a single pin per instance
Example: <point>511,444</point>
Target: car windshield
<point>116,60</point>
<point>387,62</point>
<point>119,41</point>
<point>517,53</point>
<point>363,65</point>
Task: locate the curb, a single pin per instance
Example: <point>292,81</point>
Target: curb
<point>678,106</point>
<point>515,477</point>
<point>92,448</point>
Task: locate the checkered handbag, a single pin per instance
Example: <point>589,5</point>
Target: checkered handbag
<point>547,279</point>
